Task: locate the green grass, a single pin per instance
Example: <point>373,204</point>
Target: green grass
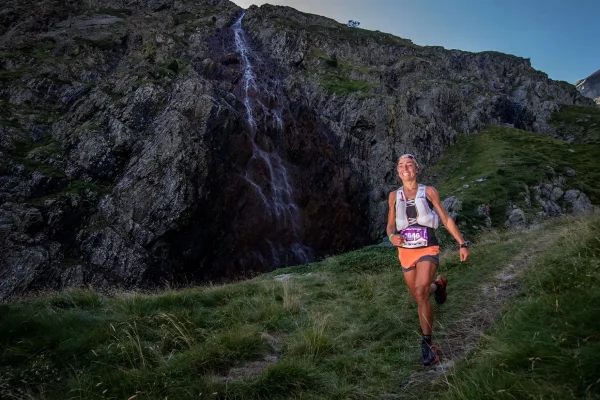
<point>33,154</point>
<point>579,122</point>
<point>341,33</point>
<point>509,160</point>
<point>333,76</point>
<point>548,341</point>
<point>7,76</point>
<point>79,187</point>
<point>342,85</point>
<point>168,70</point>
<point>40,50</point>
<point>348,329</point>
<point>106,44</point>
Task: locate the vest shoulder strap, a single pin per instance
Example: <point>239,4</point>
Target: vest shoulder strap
<point>400,194</point>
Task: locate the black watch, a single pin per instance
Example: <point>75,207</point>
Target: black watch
<point>465,245</point>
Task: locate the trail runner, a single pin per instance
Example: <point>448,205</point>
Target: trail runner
<point>415,211</point>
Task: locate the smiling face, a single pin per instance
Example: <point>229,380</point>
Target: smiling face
<point>407,169</point>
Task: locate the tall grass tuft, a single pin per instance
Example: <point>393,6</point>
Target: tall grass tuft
<point>129,345</point>
<point>291,299</point>
<point>315,340</point>
<point>176,334</point>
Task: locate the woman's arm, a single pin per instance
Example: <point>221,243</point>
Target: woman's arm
<point>391,222</point>
<point>434,197</point>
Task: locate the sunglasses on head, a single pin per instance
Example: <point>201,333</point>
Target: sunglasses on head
<point>409,156</point>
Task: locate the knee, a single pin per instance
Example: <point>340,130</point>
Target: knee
<point>422,293</point>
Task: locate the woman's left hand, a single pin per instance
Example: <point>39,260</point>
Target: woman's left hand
<point>464,254</point>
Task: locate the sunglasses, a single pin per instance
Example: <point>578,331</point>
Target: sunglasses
<point>410,156</point>
<point>407,156</point>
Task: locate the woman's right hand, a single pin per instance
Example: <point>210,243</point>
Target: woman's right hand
<point>396,240</point>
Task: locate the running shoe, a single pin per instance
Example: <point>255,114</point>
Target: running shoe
<point>440,294</point>
<point>429,354</point>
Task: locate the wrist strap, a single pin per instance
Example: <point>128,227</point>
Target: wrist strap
<point>390,237</point>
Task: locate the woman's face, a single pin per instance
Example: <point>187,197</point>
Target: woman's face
<point>407,169</point>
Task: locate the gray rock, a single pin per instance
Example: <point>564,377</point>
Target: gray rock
<point>72,276</point>
<point>570,172</point>
<point>549,170</point>
<point>556,193</point>
<point>453,205</point>
<point>516,218</point>
<point>590,86</point>
<point>284,277</point>
<point>560,181</point>
<point>87,22</point>
<point>551,208</point>
<point>578,202</point>
<point>23,266</point>
<point>483,210</point>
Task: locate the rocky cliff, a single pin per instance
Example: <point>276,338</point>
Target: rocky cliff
<point>161,141</point>
<point>590,86</point>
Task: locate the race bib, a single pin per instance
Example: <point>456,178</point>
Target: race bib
<point>415,237</point>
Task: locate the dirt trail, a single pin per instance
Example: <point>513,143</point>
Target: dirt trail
<point>462,337</point>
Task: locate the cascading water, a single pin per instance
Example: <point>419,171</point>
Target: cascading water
<point>266,173</point>
<point>249,80</point>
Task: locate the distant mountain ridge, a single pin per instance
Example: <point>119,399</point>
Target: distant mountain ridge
<point>590,86</point>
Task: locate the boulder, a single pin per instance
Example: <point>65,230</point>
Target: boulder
<point>453,205</point>
<point>515,218</point>
<point>578,202</point>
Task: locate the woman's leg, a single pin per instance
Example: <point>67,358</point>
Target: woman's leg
<point>419,282</point>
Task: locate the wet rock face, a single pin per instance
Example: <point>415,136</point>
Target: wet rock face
<point>127,157</point>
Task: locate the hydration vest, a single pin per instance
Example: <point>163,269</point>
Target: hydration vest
<point>425,215</point>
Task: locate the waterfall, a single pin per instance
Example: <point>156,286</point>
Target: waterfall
<point>278,195</point>
<point>249,79</point>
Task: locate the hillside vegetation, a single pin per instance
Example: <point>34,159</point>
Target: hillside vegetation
<point>346,327</point>
<point>501,167</point>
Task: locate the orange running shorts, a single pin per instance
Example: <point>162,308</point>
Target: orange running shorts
<point>410,257</point>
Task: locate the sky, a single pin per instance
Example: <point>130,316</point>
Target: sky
<point>561,37</point>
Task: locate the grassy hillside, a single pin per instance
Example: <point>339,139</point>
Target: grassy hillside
<point>578,123</point>
<point>508,163</point>
<point>346,327</point>
<point>342,328</point>
<point>547,344</point>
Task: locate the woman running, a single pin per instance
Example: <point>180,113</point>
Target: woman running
<point>415,210</point>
